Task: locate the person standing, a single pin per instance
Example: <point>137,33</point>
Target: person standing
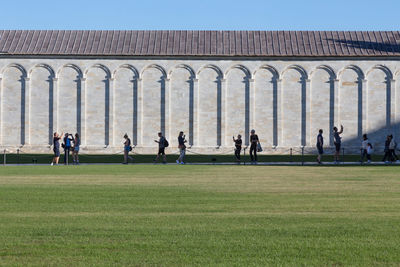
<point>254,141</point>
<point>67,147</point>
<point>392,149</point>
<point>387,157</point>
<point>127,149</point>
<point>238,146</point>
<point>364,146</point>
<point>182,148</point>
<point>369,152</point>
<point>75,150</point>
<point>320,145</point>
<point>161,148</point>
<point>56,148</point>
<point>337,140</point>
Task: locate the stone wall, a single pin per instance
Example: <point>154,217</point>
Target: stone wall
<point>285,101</point>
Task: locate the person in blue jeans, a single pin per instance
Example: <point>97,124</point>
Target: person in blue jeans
<point>67,146</point>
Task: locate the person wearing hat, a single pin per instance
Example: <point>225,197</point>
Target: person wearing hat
<point>254,141</point>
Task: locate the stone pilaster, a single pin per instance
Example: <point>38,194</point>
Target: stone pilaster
<point>252,104</point>
<point>279,103</point>
<point>336,115</point>
<point>307,103</point>
<point>83,111</point>
<point>167,108</point>
<point>196,116</point>
<point>111,113</point>
<point>55,104</point>
<point>364,107</point>
<point>224,100</point>
<point>393,119</point>
<point>139,115</point>
<point>27,111</point>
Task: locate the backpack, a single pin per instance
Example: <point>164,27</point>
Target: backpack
<point>166,144</point>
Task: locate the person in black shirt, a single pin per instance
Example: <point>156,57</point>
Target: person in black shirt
<point>161,148</point>
<point>253,146</point>
<point>56,148</point>
<point>238,146</point>
<point>182,148</point>
<point>320,146</point>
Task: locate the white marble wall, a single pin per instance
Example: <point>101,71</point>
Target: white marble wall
<point>285,101</point>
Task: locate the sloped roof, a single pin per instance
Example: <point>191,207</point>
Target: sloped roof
<point>200,43</point>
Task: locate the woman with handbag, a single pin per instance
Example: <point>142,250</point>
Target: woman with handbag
<point>127,149</point>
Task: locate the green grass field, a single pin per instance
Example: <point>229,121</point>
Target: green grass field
<point>199,216</point>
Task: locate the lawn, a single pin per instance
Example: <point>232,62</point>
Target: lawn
<point>199,215</point>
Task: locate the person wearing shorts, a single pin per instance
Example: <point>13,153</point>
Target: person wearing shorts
<point>320,146</point>
<point>56,148</point>
<point>75,149</point>
<point>337,140</point>
<point>161,148</point>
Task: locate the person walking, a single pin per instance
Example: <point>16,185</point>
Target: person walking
<point>127,149</point>
<point>182,148</point>
<point>162,144</point>
<point>364,146</point>
<point>392,149</point>
<point>337,140</point>
<point>238,146</point>
<point>387,157</point>
<point>67,147</point>
<point>320,146</point>
<point>75,149</point>
<point>254,141</point>
<point>56,148</point>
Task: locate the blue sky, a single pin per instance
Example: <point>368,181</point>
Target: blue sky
<point>201,14</point>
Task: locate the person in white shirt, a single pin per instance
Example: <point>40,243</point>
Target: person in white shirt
<point>369,152</point>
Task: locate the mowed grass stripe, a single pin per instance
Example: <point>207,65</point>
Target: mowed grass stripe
<point>199,215</point>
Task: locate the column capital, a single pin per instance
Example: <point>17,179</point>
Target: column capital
<point>82,79</point>
<point>195,80</point>
<point>54,79</point>
<point>251,80</point>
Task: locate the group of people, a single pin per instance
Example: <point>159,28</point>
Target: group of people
<point>72,143</point>
<point>366,147</point>
<point>69,143</point>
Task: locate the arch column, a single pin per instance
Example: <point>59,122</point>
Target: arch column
<point>222,116</point>
<point>27,111</point>
<point>393,119</point>
<point>55,104</point>
<point>363,108</point>
<point>83,111</point>
<point>278,111</point>
<point>166,118</point>
<point>306,99</point>
<point>335,105</point>
<point>196,116</point>
<point>139,115</point>
<point>111,112</point>
<point>397,107</point>
<point>252,104</point>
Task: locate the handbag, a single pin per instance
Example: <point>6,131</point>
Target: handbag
<point>259,148</point>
